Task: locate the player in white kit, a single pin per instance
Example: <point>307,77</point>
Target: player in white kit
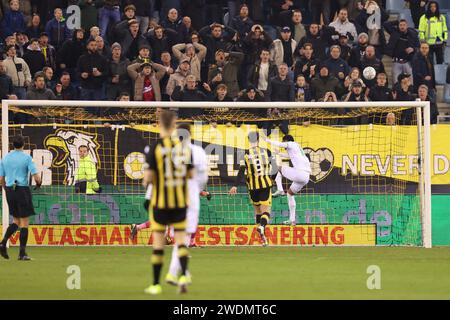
<point>195,185</point>
<point>298,174</point>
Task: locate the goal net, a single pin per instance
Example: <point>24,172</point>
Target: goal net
<point>370,181</point>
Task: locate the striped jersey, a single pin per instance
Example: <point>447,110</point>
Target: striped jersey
<point>258,168</point>
<point>170,161</point>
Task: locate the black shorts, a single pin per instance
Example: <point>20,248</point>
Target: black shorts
<point>261,196</point>
<point>160,218</point>
<point>20,202</point>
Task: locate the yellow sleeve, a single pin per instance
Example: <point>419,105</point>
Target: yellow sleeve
<point>423,25</point>
<point>444,18</point>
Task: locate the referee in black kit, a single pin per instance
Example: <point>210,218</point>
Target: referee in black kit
<point>14,176</point>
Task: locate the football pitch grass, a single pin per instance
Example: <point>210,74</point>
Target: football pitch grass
<point>232,273</point>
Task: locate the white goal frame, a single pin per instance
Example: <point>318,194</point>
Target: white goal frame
<point>425,163</point>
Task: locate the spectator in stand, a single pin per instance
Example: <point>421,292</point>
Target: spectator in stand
<point>178,78</point>
<point>214,39</point>
<point>103,50</point>
<point>48,73</point>
<point>370,23</point>
<point>356,92</point>
<point>36,28</point>
<point>242,23</point>
<point>6,84</point>
<point>404,91</point>
<point>64,90</point>
<point>261,72</point>
<point>188,92</point>
<point>191,54</point>
<point>195,10</point>
<point>293,19</point>
<point>13,20</point>
<point>343,26</point>
<point>166,5</point>
<point>34,57</point>
<point>219,95</point>
<point>337,66</point>
<point>251,94</point>
<point>21,43</point>
<point>354,75</point>
<point>19,72</point>
<point>94,32</point>
<point>122,27</point>
<point>254,42</point>
<point>417,8</point>
<point>186,29</point>
<point>57,30</point>
<point>281,88</point>
<point>144,54</point>
<point>146,78</point>
<point>402,45</point>
<point>108,15</point>
<point>89,13</point>
<point>381,91</point>
<point>320,38</point>
<point>302,90</point>
<point>131,40</point>
<point>118,79</point>
<point>39,91</point>
<point>325,82</point>
<point>346,49</point>
<point>278,6</point>
<point>423,95</point>
<point>166,62</point>
<point>370,60</point>
<point>423,68</point>
<point>306,65</point>
<point>225,71</point>
<point>358,51</point>
<point>283,49</point>
<point>47,50</point>
<point>71,50</point>
<point>143,10</point>
<point>433,30</point>
<point>174,22</point>
<point>160,40</point>
<point>92,70</point>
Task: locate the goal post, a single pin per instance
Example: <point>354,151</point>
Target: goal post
<point>318,206</point>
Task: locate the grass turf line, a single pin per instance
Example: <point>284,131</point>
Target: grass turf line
<point>232,273</point>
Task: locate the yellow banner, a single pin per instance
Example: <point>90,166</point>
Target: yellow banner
<point>367,150</point>
<point>208,235</point>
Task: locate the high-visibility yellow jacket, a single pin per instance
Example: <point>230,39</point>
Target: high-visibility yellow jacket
<point>433,30</point>
<point>87,172</point>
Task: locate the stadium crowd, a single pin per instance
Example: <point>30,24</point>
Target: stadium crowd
<point>195,50</point>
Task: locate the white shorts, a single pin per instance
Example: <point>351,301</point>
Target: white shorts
<point>193,210</point>
<point>299,178</point>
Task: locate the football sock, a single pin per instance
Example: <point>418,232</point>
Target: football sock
<point>9,232</point>
<point>144,225</point>
<point>265,219</point>
<point>157,262</point>
<point>292,206</point>
<point>23,239</point>
<point>278,180</point>
<point>183,255</point>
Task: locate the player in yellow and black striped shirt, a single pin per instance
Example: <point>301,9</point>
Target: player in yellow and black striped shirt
<point>257,169</point>
<point>169,168</point>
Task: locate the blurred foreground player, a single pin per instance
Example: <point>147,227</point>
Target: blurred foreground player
<point>257,169</point>
<point>169,168</point>
<point>195,184</point>
<point>14,172</point>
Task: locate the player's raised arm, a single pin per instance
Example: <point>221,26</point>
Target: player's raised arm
<point>240,175</point>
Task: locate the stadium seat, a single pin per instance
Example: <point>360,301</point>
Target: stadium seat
<point>395,5</point>
<point>440,71</point>
<point>447,93</point>
<point>447,55</point>
<point>406,14</point>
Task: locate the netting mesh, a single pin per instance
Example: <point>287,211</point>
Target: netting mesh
<point>363,188</point>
